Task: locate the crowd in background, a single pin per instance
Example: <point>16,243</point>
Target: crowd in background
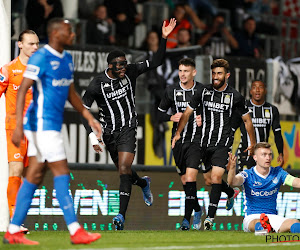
<point>221,28</point>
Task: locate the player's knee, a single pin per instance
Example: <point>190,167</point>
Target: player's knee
<point>35,178</point>
<point>124,169</point>
<point>208,182</point>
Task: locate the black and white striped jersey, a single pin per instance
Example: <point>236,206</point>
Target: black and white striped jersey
<point>217,110</point>
<point>263,117</point>
<point>177,98</point>
<point>115,98</point>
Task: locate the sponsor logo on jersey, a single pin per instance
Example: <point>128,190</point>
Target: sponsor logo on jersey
<point>55,64</point>
<point>260,122</point>
<point>227,99</point>
<point>257,183</point>
<point>264,193</point>
<point>267,113</point>
<point>275,180</point>
<point>207,93</point>
<point>179,94</point>
<point>106,85</point>
<point>15,71</point>
<point>2,78</point>
<point>244,174</point>
<point>216,106</point>
<point>182,104</point>
<point>118,93</point>
<point>61,82</point>
<point>32,69</point>
<point>17,155</point>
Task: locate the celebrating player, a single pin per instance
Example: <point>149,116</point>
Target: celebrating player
<point>187,152</point>
<point>50,73</point>
<point>264,115</point>
<point>219,101</point>
<point>261,186</point>
<point>114,92</point>
<point>11,76</point>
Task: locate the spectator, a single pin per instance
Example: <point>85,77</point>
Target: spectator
<point>183,38</point>
<point>180,13</point>
<point>39,12</point>
<point>217,40</point>
<point>248,42</point>
<point>87,7</point>
<point>99,28</point>
<point>125,16</point>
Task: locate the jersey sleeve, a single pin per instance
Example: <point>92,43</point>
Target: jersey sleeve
<point>244,174</point>
<point>282,174</point>
<point>166,101</point>
<point>277,130</point>
<point>35,67</point>
<point>240,105</point>
<point>89,96</point>
<point>3,80</point>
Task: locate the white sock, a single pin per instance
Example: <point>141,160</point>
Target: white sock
<point>12,229</point>
<point>73,227</point>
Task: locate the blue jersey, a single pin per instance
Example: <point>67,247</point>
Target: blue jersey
<point>260,192</point>
<point>53,73</point>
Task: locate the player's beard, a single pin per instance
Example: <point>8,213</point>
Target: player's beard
<point>220,85</point>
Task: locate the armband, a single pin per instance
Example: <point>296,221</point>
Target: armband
<point>289,180</point>
<point>93,139</point>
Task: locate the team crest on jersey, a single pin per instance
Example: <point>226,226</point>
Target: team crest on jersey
<point>55,64</point>
<point>179,94</point>
<point>275,180</point>
<point>227,99</point>
<point>267,113</point>
<point>124,81</point>
<point>2,78</point>
<point>106,85</point>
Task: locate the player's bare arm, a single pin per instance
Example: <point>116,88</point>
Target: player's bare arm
<point>176,117</point>
<point>76,102</point>
<point>250,130</point>
<point>182,122</point>
<point>232,178</point>
<point>18,134</point>
<point>166,30</point>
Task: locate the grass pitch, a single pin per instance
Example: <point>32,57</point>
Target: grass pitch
<point>158,240</point>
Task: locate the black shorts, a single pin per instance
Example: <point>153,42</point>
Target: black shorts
<point>245,161</point>
<point>187,154</point>
<point>120,141</point>
<point>216,156</point>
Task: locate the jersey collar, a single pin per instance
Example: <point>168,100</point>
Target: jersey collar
<point>54,52</point>
<point>185,88</point>
<point>260,175</point>
<point>221,90</point>
<point>257,105</point>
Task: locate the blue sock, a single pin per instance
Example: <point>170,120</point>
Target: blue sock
<point>258,226</point>
<point>61,184</point>
<point>295,228</point>
<point>23,202</point>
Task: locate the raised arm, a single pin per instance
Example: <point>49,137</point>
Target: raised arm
<point>232,178</point>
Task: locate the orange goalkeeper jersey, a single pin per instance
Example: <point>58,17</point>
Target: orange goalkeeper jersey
<point>11,76</point>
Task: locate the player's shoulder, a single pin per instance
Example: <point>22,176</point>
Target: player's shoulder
<point>39,55</point>
<point>199,85</point>
<point>277,170</point>
<point>233,90</point>
<point>267,104</point>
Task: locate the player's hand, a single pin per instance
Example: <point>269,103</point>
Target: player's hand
<point>231,161</point>
<point>199,120</point>
<point>250,149</point>
<point>175,139</point>
<point>97,148</point>
<point>96,127</point>
<point>280,159</point>
<point>176,117</point>
<point>166,30</point>
<point>17,137</point>
<point>96,142</point>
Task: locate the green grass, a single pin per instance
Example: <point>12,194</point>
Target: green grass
<point>157,240</point>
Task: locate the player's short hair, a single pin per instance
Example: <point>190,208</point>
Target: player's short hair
<point>114,54</point>
<point>261,145</point>
<point>21,36</point>
<point>222,63</point>
<point>187,62</point>
<point>54,24</point>
<point>257,80</point>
